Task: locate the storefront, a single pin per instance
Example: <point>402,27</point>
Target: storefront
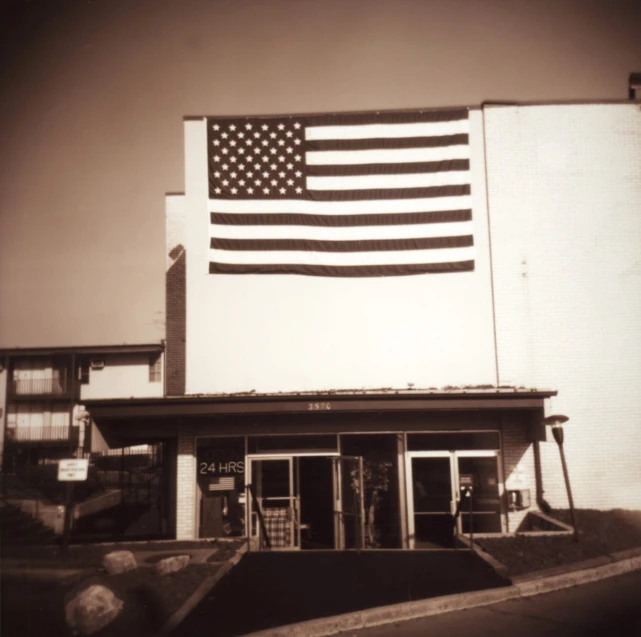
<point>384,471</point>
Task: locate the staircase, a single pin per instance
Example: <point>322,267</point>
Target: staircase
<point>19,528</point>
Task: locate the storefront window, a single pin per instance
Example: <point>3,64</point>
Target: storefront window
<point>221,480</point>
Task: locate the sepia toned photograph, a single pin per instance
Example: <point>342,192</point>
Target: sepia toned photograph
<point>320,317</point>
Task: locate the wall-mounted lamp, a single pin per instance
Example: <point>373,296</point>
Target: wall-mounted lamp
<point>556,422</point>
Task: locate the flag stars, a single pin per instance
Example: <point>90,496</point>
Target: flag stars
<point>296,142</point>
<point>289,133</point>
<point>264,127</point>
<point>224,135</point>
<point>281,142</point>
<point>217,191</point>
<point>250,191</point>
<point>299,190</point>
<point>234,191</point>
<point>217,142</point>
<point>216,157</point>
<point>282,191</point>
<point>248,126</point>
<point>266,191</point>
<point>256,134</point>
<point>232,127</point>
<point>272,134</point>
<point>296,125</point>
<point>281,126</point>
<point>216,127</point>
<point>241,134</point>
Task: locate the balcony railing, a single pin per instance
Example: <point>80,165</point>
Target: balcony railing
<point>39,387</point>
<point>40,435</point>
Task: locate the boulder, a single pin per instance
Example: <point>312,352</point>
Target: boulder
<point>171,564</point>
<point>92,609</point>
<point>119,562</point>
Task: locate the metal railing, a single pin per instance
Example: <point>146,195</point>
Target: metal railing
<point>42,434</point>
<point>261,519</point>
<point>39,387</point>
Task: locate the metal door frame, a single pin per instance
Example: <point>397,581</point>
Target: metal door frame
<point>294,482</point>
<point>454,480</point>
<point>337,498</point>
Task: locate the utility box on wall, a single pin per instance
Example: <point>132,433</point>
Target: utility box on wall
<point>518,499</point>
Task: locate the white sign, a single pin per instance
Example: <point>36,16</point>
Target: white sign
<point>73,470</point>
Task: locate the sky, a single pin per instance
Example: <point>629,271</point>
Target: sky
<point>93,95</point>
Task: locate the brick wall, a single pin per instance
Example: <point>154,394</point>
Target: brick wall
<point>519,471</point>
<point>186,488</point>
<point>564,185</point>
<point>175,296</point>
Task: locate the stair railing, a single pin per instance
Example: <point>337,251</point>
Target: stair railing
<point>261,519</point>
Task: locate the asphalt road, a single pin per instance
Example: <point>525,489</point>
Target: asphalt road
<point>609,607</point>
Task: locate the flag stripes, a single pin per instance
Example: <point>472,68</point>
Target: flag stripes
<point>260,220</point>
<point>378,194</point>
<point>320,170</point>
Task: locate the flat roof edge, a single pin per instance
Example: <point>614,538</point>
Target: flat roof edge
<point>84,349</point>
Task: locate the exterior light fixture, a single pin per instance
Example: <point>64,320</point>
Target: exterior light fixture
<point>556,422</point>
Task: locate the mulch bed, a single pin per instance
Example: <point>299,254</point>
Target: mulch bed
<point>31,607</point>
<point>600,533</point>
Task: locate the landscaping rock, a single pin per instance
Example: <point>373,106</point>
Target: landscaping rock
<point>92,609</point>
<point>171,564</point>
<point>119,562</point>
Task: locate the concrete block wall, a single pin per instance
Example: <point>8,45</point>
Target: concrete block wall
<point>564,184</point>
<point>186,488</point>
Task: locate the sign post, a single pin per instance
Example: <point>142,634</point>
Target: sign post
<point>466,483</point>
<point>70,471</point>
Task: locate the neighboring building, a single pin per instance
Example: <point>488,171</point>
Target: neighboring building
<point>284,381</point>
<point>42,391</point>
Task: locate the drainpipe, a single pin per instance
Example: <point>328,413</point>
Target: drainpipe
<point>544,505</point>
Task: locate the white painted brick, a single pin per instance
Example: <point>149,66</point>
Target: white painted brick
<point>564,187</point>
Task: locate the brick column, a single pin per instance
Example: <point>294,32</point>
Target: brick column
<point>186,488</point>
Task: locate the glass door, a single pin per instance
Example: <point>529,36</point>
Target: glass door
<point>273,482</point>
<point>431,501</point>
<point>482,469</point>
<point>349,518</point>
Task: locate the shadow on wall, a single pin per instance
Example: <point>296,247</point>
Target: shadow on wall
<point>175,307</point>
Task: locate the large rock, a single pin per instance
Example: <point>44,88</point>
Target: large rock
<point>92,609</point>
<point>171,564</point>
<point>119,562</point>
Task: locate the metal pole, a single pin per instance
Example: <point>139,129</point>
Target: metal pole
<point>66,532</point>
<point>469,495</point>
<point>569,490</point>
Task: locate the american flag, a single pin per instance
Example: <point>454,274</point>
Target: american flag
<point>364,194</point>
<point>222,484</point>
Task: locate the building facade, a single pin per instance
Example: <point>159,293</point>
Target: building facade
<point>329,411</point>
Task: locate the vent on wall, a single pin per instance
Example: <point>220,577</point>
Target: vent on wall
<point>97,363</point>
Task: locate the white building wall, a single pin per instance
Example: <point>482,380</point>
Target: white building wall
<point>123,376</point>
<point>273,333</point>
<point>565,199</point>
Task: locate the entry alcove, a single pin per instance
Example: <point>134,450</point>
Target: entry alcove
<point>380,453</point>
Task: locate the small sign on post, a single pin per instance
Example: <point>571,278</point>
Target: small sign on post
<point>73,470</point>
<point>70,471</point>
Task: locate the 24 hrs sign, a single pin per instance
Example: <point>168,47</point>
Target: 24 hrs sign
<point>221,467</point>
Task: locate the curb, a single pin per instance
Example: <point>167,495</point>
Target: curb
<point>197,596</point>
<point>368,618</point>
